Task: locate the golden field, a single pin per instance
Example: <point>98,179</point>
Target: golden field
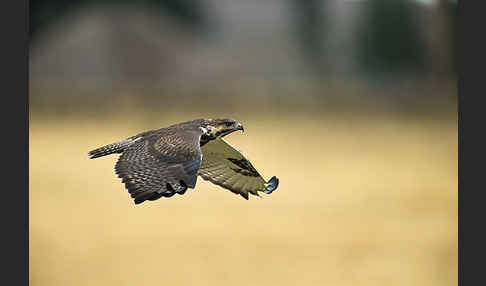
<point>364,199</point>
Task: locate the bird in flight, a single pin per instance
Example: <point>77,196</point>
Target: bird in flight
<point>166,161</point>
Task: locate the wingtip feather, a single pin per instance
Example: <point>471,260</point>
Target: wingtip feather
<point>272,185</point>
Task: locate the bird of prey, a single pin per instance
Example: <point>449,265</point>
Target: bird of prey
<point>166,161</point>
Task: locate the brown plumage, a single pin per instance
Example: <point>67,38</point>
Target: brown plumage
<point>163,162</point>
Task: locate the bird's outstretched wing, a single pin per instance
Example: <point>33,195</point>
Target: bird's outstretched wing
<point>227,167</point>
<point>160,164</point>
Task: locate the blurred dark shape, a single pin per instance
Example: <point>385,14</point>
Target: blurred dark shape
<point>440,38</point>
<point>44,13</point>
<point>376,36</point>
<point>389,39</point>
<point>310,24</point>
<point>451,9</point>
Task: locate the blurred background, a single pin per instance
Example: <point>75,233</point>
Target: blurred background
<point>352,104</point>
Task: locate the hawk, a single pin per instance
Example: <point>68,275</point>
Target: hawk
<point>166,161</point>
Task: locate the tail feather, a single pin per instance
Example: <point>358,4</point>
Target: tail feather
<point>117,147</point>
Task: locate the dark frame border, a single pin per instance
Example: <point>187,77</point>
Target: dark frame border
<point>470,48</point>
<point>15,119</point>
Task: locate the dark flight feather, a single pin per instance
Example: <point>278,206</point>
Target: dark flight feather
<point>153,167</point>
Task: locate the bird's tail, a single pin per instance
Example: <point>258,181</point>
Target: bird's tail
<point>117,147</point>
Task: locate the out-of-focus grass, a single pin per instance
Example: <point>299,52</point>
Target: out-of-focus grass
<point>363,200</point>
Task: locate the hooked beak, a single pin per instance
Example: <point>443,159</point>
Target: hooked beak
<point>240,127</point>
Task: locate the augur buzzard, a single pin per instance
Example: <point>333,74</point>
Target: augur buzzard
<point>166,161</point>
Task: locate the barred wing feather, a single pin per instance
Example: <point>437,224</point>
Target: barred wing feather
<point>227,167</point>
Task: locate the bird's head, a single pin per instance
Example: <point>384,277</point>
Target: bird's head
<point>221,127</point>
